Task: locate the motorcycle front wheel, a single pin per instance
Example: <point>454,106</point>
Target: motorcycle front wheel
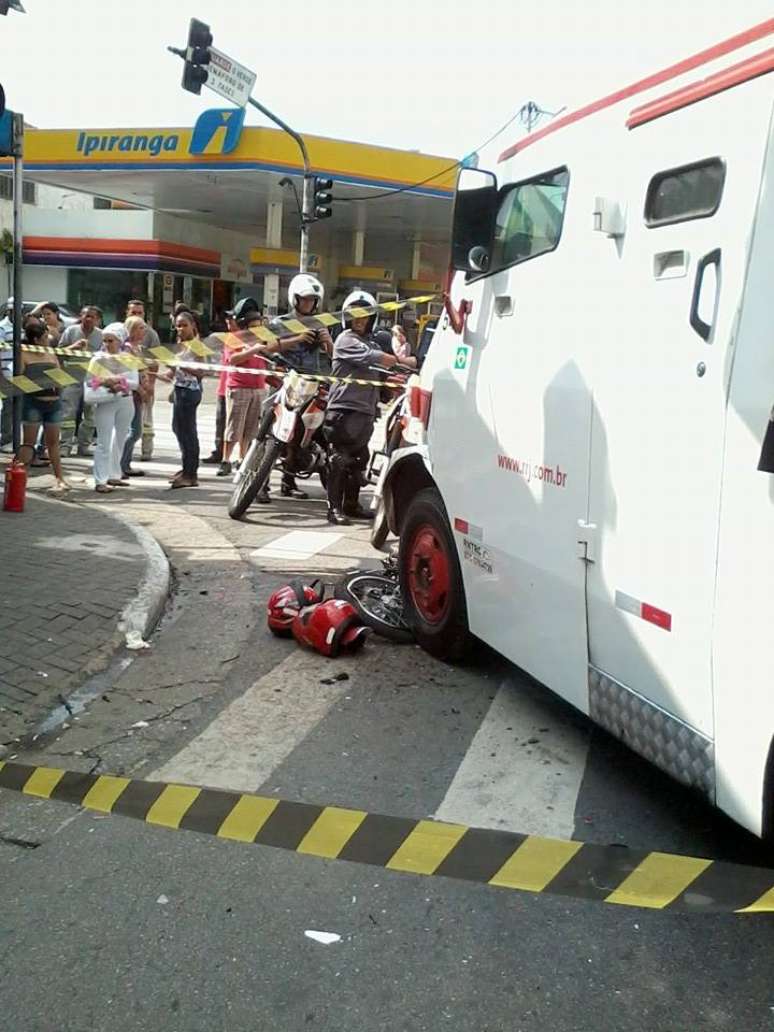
<point>377,600</point>
<point>254,475</point>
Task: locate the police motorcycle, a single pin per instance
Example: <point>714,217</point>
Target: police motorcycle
<point>289,436</point>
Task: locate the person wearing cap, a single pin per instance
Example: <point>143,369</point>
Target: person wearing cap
<point>113,407</point>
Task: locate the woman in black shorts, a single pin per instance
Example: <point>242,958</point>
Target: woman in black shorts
<point>45,406</point>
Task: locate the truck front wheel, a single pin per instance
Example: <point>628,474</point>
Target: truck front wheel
<point>431,580</point>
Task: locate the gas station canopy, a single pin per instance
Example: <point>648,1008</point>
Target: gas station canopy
<point>229,181</point>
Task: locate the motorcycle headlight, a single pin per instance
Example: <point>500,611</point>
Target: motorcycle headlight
<point>299,390</point>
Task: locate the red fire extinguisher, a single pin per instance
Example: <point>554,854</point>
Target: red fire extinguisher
<point>15,487</point>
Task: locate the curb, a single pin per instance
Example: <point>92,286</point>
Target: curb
<point>143,612</point>
<point>136,621</point>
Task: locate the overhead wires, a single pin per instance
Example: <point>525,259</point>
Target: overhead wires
<point>528,114</point>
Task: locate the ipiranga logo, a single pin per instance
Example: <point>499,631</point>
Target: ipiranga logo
<point>127,142</point>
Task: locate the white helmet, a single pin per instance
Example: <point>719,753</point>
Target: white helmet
<point>304,285</point>
<point>358,299</point>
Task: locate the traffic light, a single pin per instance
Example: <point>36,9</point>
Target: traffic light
<point>323,198</point>
<point>197,55</point>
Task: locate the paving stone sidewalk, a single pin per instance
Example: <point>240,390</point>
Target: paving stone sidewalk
<point>66,573</point>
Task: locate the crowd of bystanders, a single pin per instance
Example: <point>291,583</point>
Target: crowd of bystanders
<point>107,411</point>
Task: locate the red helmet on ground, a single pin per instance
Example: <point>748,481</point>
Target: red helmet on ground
<point>330,627</point>
<point>285,603</point>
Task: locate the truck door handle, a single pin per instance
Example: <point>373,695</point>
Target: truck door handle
<point>670,264</point>
<point>703,328</point>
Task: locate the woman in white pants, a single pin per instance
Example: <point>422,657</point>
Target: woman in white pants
<point>109,386</point>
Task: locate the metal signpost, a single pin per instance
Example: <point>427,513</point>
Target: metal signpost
<point>307,213</point>
<point>12,144</point>
<point>18,179</point>
<point>234,82</point>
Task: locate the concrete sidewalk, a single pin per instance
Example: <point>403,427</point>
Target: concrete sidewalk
<point>72,581</point>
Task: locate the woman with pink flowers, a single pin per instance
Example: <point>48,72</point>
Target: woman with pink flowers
<point>109,386</point>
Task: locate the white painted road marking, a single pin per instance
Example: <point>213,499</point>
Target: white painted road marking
<point>298,544</point>
<point>507,782</point>
<point>245,743</point>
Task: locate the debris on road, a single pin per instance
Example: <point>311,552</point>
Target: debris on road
<point>325,938</point>
<point>336,677</point>
<point>134,641</point>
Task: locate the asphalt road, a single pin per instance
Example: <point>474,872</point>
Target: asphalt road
<point>110,924</point>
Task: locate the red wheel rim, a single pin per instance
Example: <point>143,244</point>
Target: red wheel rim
<point>429,574</point>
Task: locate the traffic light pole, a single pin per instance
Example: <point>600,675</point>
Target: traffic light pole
<point>306,217</point>
<point>18,169</point>
<point>198,56</point>
<point>307,198</point>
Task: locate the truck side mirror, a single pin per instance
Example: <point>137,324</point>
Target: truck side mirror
<point>475,208</point>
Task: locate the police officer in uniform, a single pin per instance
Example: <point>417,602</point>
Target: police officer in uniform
<point>352,408</point>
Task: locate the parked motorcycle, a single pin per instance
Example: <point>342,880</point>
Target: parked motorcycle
<point>290,433</point>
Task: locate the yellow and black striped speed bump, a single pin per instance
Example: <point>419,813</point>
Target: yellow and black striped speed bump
<point>507,860</point>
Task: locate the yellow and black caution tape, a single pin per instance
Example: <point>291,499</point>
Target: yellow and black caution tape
<point>506,860</point>
<point>75,371</point>
<point>291,327</point>
<point>29,383</point>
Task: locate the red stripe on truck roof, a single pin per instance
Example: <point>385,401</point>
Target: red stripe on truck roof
<point>696,91</point>
<point>742,39</point>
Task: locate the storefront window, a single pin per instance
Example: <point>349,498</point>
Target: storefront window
<point>200,301</point>
<point>108,289</point>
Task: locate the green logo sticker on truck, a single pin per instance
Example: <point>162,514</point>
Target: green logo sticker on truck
<point>461,359</point>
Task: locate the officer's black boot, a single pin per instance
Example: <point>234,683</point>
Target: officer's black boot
<point>352,507</point>
<point>337,475</point>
